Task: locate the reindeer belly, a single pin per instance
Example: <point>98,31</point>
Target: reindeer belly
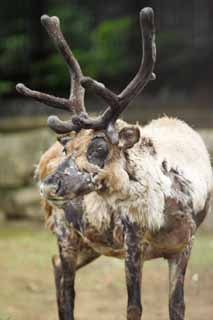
<point>167,241</point>
<point>106,242</point>
<point>171,239</point>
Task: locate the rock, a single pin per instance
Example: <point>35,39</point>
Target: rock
<point>8,125</point>
<point>22,203</point>
<point>20,152</point>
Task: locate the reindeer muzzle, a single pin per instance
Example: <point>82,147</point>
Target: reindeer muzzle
<point>67,182</point>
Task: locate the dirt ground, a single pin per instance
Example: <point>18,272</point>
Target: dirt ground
<point>27,289</point>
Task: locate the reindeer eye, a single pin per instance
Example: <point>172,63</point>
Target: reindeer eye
<point>97,151</point>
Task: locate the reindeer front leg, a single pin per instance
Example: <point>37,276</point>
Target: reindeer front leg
<point>58,275</point>
<point>68,250</point>
<point>73,255</point>
<point>177,271</point>
<point>85,256</point>
<point>65,265</point>
<point>133,268</point>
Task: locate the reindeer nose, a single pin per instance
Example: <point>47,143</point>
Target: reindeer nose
<point>47,190</point>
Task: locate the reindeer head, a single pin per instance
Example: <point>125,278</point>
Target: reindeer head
<point>94,148</point>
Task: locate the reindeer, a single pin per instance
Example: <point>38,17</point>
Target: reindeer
<point>121,190</point>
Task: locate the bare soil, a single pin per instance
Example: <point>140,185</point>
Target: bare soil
<point>27,288</point>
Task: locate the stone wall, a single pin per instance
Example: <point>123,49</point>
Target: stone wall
<point>20,152</point>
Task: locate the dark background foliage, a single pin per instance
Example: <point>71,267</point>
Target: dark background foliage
<point>105,37</point>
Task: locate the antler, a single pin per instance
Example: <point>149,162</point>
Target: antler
<point>75,102</point>
<point>116,103</point>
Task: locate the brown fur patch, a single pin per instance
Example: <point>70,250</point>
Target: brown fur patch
<point>50,160</point>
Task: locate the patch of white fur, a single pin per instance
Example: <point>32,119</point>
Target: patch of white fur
<point>141,200</point>
<point>147,193</point>
<point>184,150</point>
<point>97,212</point>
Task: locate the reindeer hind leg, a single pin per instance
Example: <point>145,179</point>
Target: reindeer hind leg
<point>177,271</point>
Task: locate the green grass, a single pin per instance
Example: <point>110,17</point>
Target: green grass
<point>202,252</point>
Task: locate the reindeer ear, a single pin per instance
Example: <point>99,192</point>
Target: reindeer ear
<point>128,137</point>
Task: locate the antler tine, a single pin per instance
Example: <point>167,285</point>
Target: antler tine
<point>49,100</point>
<point>60,126</point>
<point>117,103</point>
<point>145,72</point>
<point>100,89</point>
<point>52,25</point>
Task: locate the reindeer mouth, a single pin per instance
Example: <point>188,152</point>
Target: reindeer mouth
<point>50,193</point>
<point>67,184</point>
<point>57,202</point>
